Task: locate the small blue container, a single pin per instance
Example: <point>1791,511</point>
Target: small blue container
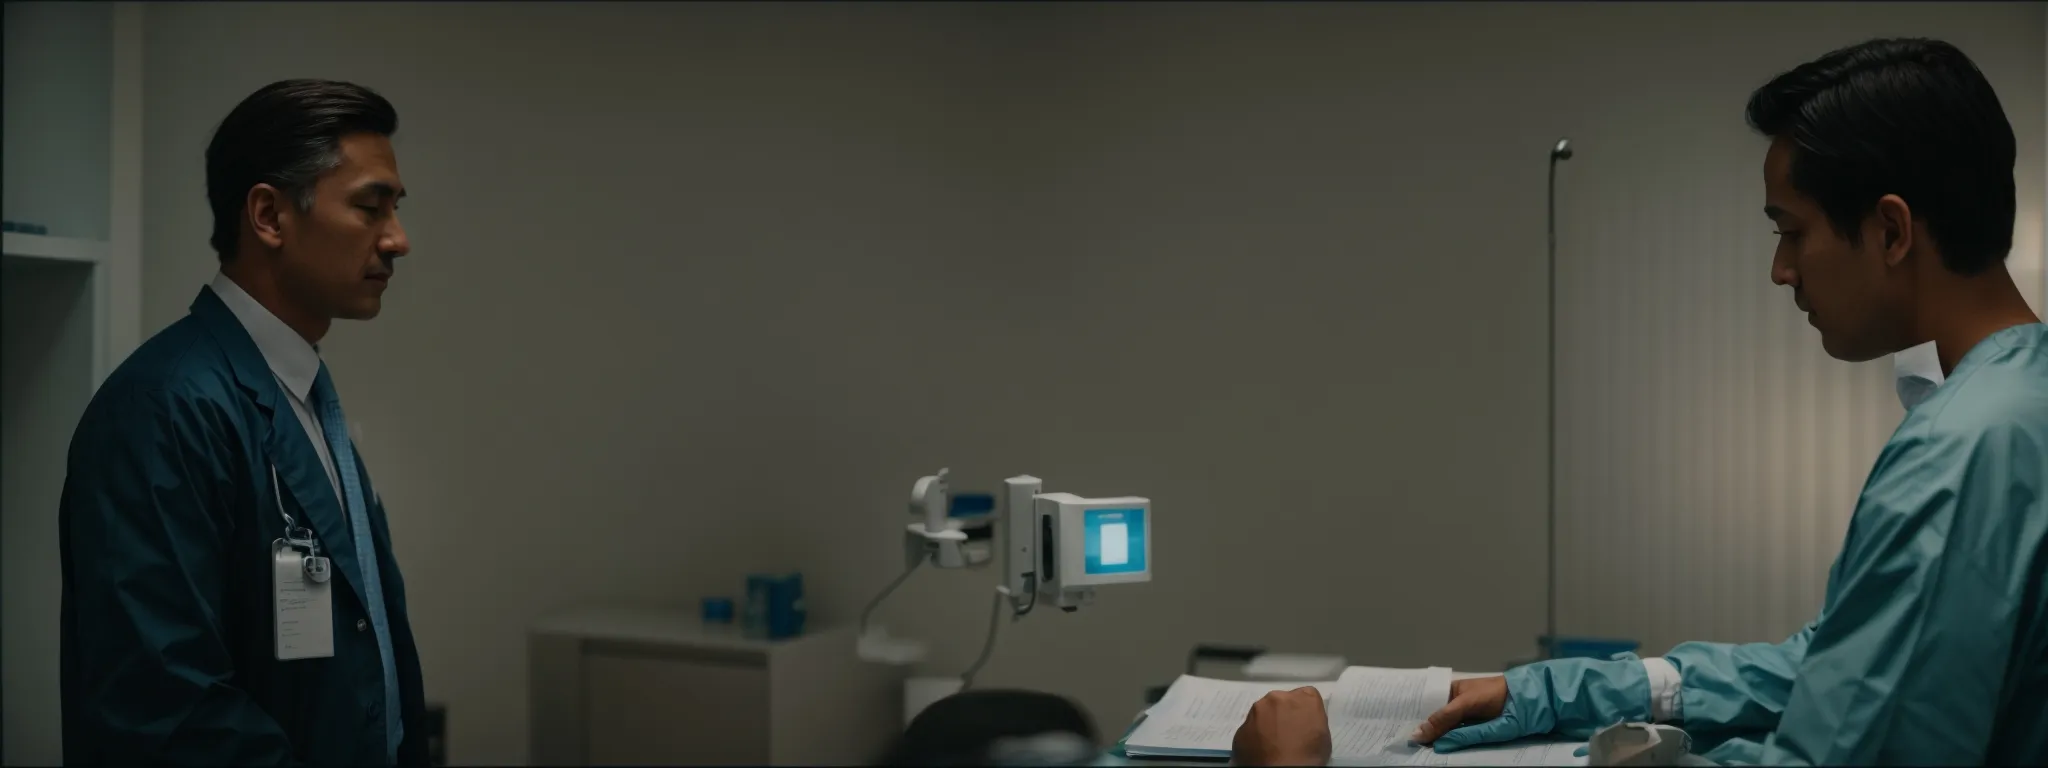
<point>718,611</point>
<point>754,622</point>
<point>775,606</point>
<point>1586,647</point>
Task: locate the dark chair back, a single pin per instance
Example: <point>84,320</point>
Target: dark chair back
<point>966,727</point>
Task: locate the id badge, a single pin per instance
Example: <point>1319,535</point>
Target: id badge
<point>304,608</point>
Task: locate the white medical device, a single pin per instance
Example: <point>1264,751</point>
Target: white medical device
<point>1061,546</point>
<point>934,533</point>
<point>1057,547</point>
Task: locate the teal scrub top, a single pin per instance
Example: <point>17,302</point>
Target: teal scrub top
<point>1932,643</point>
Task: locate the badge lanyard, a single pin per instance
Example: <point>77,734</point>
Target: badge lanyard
<point>301,538</point>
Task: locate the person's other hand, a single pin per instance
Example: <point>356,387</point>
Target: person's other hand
<point>1284,728</point>
<point>1482,701</point>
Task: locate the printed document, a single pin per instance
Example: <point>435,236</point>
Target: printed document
<point>1372,712</point>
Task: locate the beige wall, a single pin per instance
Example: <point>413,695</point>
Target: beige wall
<point>701,289</point>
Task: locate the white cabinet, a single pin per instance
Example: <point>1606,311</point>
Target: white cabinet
<point>71,302</point>
<point>652,687</point>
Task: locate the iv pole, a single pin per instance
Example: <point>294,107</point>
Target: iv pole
<point>1561,151</point>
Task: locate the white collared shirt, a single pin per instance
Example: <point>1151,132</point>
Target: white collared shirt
<point>294,362</point>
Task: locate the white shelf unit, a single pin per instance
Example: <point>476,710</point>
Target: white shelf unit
<point>66,249</point>
<point>72,305</point>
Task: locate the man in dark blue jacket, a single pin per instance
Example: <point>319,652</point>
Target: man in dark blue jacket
<point>230,592</point>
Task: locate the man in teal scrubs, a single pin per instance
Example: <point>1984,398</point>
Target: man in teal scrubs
<point>1890,179</point>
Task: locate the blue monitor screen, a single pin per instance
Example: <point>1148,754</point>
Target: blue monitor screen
<point>1115,541</point>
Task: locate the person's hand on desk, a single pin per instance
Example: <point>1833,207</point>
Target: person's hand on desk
<point>1284,728</point>
<point>1561,697</point>
<point>1481,701</point>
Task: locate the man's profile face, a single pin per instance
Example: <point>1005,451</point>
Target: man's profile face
<point>1844,289</point>
<point>338,254</point>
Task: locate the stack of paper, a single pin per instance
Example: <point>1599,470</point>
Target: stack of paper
<point>1372,712</point>
<point>1199,716</point>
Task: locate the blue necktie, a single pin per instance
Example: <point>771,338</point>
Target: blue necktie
<point>336,428</point>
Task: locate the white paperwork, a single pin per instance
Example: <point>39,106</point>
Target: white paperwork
<point>1199,716</point>
<point>1372,712</point>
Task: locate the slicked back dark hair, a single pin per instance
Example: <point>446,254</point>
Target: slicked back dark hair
<point>285,134</point>
<point>1903,116</point>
